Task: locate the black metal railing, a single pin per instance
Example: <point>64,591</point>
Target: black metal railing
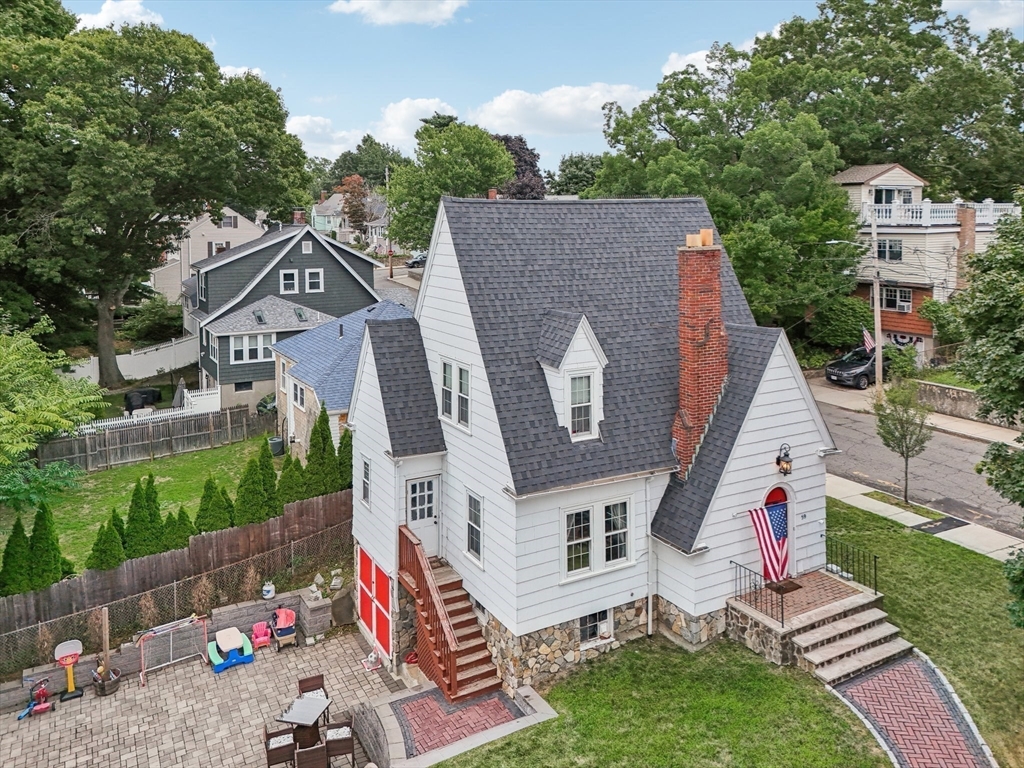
<point>850,562</point>
<point>750,587</point>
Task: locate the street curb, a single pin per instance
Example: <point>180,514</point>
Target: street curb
<point>868,724</point>
<point>943,430</point>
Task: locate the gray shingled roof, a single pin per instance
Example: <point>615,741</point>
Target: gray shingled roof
<point>190,288</point>
<point>685,504</point>
<point>556,332</point>
<point>327,362</point>
<point>279,313</point>
<point>405,388</point>
<point>861,174</point>
<point>269,237</point>
<point>614,261</point>
<point>331,206</point>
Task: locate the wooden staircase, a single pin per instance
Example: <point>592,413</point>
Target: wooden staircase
<point>449,642</point>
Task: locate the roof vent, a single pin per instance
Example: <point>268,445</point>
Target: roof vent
<point>301,314</point>
<point>341,330</point>
<point>261,319</point>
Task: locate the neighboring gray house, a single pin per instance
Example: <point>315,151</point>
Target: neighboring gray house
<point>319,367</point>
<point>246,298</point>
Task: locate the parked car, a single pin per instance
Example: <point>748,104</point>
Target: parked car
<point>855,369</point>
<point>418,260</point>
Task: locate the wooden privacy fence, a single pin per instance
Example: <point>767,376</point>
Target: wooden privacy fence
<point>153,439</point>
<point>205,552</point>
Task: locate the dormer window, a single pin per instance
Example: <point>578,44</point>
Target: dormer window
<point>581,405</point>
<point>573,364</point>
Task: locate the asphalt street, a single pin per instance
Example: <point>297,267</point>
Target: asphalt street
<point>942,477</point>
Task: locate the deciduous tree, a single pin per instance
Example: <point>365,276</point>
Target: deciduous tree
<point>528,183</point>
<point>901,423</point>
<point>353,193</point>
<point>841,322</point>
<point>576,173</point>
<point>369,160</point>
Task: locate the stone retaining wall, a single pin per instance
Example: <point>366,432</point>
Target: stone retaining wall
<point>692,632</point>
<point>371,735</point>
<point>403,620</point>
<point>954,401</point>
<point>763,639</point>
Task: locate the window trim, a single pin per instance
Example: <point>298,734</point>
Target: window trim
<point>307,247</point>
<point>467,396</point>
<point>202,286</point>
<point>572,575</point>
<point>284,377</point>
<point>447,389</point>
<point>320,273</point>
<point>598,564</point>
<point>476,557</point>
<point>888,250</point>
<point>281,274</point>
<point>365,479</point>
<point>456,395</point>
<point>212,344</point>
<point>597,641</point>
<point>608,564</point>
<point>246,346</point>
<point>591,404</point>
<point>298,396</point>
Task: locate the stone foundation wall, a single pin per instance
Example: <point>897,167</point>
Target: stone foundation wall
<point>550,653</point>
<point>403,624</point>
<point>763,640</point>
<point>692,632</point>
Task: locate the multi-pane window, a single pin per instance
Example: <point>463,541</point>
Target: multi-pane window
<point>284,383</point>
<point>237,349</point>
<point>247,349</point>
<point>214,352</point>
<point>268,339</point>
<point>314,281</point>
<point>616,538</point>
<point>421,500</point>
<point>474,525</point>
<point>289,281</point>
<point>580,405</point>
<point>229,222</point>
<point>591,627</point>
<point>890,250</point>
<point>577,541</point>
<point>898,299</point>
<point>446,389</point>
<point>366,481</point>
<point>299,395</point>
<point>253,348</point>
<point>302,397</point>
<point>464,397</point>
<point>888,196</point>
<point>202,285</point>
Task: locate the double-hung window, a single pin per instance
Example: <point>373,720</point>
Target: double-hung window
<point>446,390</point>
<point>314,281</point>
<point>299,395</point>
<point>289,281</point>
<point>474,525</point>
<point>284,382</point>
<point>455,393</point>
<point>581,406</point>
<point>250,349</point>
<point>616,533</point>
<point>890,250</point>
<point>237,349</point>
<point>464,397</point>
<point>202,285</point>
<point>253,346</point>
<point>577,542</point>
<point>211,345</point>
<point>366,482</point>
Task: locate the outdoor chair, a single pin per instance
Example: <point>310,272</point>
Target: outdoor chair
<point>338,740</point>
<point>279,746</point>
<point>313,687</point>
<point>283,627</point>
<point>314,757</point>
<point>260,635</point>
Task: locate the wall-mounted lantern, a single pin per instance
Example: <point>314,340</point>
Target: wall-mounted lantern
<point>782,461</point>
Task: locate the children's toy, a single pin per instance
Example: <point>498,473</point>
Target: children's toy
<point>172,642</point>
<point>283,626</point>
<point>228,649</point>
<point>37,700</point>
<point>260,635</point>
<point>67,654</point>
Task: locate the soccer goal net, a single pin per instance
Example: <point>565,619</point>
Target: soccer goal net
<point>171,643</point>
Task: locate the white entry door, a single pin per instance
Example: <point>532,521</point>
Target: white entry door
<point>421,512</point>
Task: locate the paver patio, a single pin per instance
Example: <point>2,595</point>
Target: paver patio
<point>187,716</point>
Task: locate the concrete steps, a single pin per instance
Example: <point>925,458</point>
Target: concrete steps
<point>851,666</point>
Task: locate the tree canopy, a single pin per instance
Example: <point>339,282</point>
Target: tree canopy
<point>111,140</point>
<point>528,184</point>
<point>576,173</point>
<point>458,160</point>
<point>353,195</point>
<point>368,159</point>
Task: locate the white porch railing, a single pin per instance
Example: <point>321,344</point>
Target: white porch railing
<point>202,401</point>
<point>929,214</point>
<point>196,401</point>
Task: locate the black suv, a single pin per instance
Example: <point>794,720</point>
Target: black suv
<point>855,369</point>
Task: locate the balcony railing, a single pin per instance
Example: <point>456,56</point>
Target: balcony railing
<point>850,562</point>
<point>929,214</point>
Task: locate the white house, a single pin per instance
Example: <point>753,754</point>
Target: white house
<point>572,429</point>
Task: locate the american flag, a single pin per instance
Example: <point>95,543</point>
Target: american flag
<point>869,341</point>
<point>772,530</point>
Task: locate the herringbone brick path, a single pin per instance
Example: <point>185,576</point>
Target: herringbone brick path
<point>915,715</point>
<point>428,722</point>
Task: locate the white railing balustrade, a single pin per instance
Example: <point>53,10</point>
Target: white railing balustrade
<point>929,214</point>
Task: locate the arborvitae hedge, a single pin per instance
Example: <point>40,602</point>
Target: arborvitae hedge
<point>274,506</point>
<point>44,548</point>
<point>14,573</point>
<point>141,536</point>
<point>292,486</point>
<point>322,472</point>
<point>212,515</point>
<point>251,501</point>
<point>228,505</point>
<point>345,458</point>
<point>118,523</point>
<point>107,551</point>
<point>185,525</point>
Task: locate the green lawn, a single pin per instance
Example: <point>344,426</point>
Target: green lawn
<point>944,376</point>
<point>950,602</point>
<point>115,407</point>
<point>652,704</point>
<point>179,480</point>
<point>896,501</point>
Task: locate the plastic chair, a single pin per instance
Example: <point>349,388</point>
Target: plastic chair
<point>260,635</point>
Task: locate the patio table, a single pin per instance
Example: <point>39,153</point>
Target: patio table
<point>303,713</point>
<point>229,639</point>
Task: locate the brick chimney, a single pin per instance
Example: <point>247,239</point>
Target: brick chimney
<point>703,348</point>
<point>966,217</point>
<point>298,216</point>
<point>492,194</point>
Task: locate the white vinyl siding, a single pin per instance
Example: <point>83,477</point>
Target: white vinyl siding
<point>314,281</point>
<point>289,281</point>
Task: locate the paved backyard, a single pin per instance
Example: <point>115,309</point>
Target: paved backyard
<point>187,716</point>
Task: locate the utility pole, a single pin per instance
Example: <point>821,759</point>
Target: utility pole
<point>876,282</point>
<point>387,188</point>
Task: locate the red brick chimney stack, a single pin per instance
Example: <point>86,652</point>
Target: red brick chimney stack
<point>298,216</point>
<point>492,194</point>
<point>703,348</point>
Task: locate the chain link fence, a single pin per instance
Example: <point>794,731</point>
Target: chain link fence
<point>288,567</point>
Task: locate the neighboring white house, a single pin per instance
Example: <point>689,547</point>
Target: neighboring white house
<point>581,445</point>
<point>203,238</point>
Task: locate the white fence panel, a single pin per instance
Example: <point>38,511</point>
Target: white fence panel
<point>145,362</point>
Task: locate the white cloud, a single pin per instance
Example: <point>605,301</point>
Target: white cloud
<point>567,109</point>
<point>387,12</point>
<point>699,59</point>
<point>118,12</point>
<point>988,14</point>
<point>319,137</point>
<point>400,119</point>
<point>229,71</point>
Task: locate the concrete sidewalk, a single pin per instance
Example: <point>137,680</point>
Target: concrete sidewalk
<point>977,538</point>
<point>861,400</point>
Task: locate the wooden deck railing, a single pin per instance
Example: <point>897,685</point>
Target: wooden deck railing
<point>436,624</point>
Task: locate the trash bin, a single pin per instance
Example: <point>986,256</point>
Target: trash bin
<point>276,446</point>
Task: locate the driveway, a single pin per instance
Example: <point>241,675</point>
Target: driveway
<point>187,716</point>
<point>942,477</point>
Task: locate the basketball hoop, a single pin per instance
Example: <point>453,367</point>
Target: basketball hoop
<point>67,654</point>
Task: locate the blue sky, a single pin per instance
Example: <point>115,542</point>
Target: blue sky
<point>543,69</point>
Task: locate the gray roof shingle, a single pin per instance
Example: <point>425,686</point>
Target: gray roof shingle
<point>861,174</point>
<point>685,504</point>
<point>327,362</point>
<point>614,261</point>
<point>280,315</point>
<point>405,388</point>
<point>269,237</point>
<point>556,332</point>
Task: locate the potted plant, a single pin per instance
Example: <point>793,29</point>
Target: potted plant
<point>106,680</point>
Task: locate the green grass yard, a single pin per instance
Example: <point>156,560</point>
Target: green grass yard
<point>950,602</point>
<point>655,705</point>
<point>896,501</point>
<point>179,480</point>
<point>945,376</point>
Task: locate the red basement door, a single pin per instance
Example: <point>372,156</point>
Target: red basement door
<point>375,601</point>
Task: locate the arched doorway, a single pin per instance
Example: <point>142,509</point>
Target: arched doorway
<point>776,496</point>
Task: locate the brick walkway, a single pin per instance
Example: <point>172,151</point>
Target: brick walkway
<point>917,718</point>
<point>187,716</point>
<point>428,722</point>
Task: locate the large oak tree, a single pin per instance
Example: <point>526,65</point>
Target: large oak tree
<point>111,140</point>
